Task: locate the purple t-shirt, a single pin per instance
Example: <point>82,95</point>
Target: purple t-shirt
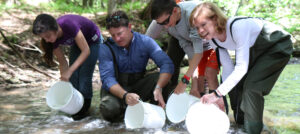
<point>71,24</point>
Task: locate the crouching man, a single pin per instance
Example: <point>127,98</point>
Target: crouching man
<point>122,64</point>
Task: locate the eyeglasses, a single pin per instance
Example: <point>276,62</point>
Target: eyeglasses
<point>165,22</point>
<point>113,18</point>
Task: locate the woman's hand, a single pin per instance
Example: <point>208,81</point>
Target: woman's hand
<point>220,104</point>
<point>209,98</point>
<point>180,88</point>
<point>132,99</point>
<point>158,97</point>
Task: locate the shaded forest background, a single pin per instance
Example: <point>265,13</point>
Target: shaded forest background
<point>21,64</point>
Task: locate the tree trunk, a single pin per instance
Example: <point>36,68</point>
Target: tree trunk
<point>237,9</point>
<point>84,3</point>
<point>132,1</point>
<point>23,58</point>
<point>91,3</point>
<point>102,4</point>
<point>68,1</point>
<point>145,13</point>
<point>112,5</point>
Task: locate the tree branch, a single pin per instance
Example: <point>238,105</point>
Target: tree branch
<point>9,64</point>
<point>22,57</point>
<point>27,48</point>
<point>237,9</point>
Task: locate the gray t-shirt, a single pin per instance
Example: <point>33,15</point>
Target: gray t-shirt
<point>187,36</point>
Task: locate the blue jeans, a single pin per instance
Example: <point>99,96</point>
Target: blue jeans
<point>81,78</point>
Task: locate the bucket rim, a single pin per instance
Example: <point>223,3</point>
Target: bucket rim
<point>173,97</point>
<point>69,99</point>
<point>141,104</point>
<point>216,112</point>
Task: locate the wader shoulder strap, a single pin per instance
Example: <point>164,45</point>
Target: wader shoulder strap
<point>217,52</point>
<point>218,56</point>
<point>108,43</point>
<point>230,27</point>
<point>219,66</point>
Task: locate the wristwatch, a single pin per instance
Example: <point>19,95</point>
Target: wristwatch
<point>124,97</point>
<point>185,80</point>
<point>158,87</point>
<point>215,91</point>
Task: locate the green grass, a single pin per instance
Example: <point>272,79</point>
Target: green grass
<point>138,5</point>
<point>64,7</point>
<point>282,105</point>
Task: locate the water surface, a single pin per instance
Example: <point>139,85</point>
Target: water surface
<point>24,111</point>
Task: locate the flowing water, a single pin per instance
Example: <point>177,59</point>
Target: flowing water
<point>24,111</point>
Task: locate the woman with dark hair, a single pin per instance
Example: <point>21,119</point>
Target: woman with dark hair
<point>84,38</point>
<point>262,51</point>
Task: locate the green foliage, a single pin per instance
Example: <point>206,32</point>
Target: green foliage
<point>138,5</point>
<point>159,43</point>
<point>14,39</point>
<point>295,27</point>
<point>272,10</point>
<point>62,6</point>
<point>285,13</point>
<point>227,6</point>
<point>2,7</point>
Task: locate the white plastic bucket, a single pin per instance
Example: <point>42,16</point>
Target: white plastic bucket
<point>178,105</point>
<point>206,119</point>
<point>64,97</point>
<point>144,115</point>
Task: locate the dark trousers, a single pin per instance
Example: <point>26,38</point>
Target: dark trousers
<point>176,53</point>
<point>81,78</point>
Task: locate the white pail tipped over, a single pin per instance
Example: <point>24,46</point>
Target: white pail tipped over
<point>206,119</point>
<point>64,97</point>
<point>144,115</point>
<point>178,105</point>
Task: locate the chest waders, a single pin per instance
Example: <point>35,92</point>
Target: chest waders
<point>235,97</point>
<point>268,57</point>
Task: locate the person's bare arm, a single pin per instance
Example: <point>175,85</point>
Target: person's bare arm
<point>85,52</point>
<point>162,82</point>
<point>131,98</point>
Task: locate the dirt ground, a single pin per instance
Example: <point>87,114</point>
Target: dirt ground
<point>14,72</point>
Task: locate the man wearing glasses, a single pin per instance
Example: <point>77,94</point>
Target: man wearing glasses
<point>175,18</point>
<point>122,64</point>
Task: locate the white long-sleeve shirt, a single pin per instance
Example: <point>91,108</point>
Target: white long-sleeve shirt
<point>245,33</point>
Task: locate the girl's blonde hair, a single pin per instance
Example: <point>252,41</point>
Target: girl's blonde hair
<point>210,10</point>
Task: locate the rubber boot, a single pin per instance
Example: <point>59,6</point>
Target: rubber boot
<point>83,111</point>
<point>253,127</point>
<point>238,115</point>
